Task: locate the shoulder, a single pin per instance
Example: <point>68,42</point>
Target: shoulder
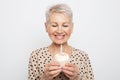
<point>39,51</point>
<point>80,53</point>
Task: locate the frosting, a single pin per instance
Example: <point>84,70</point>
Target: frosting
<point>61,58</point>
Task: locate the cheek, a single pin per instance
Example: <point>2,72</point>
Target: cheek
<point>69,31</point>
<point>50,31</point>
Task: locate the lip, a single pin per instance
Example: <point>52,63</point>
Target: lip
<point>59,37</point>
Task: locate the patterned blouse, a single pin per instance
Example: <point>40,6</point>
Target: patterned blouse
<point>42,56</point>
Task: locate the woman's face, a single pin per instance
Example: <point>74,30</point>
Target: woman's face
<point>59,27</point>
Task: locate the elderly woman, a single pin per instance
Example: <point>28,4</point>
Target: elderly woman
<point>43,63</point>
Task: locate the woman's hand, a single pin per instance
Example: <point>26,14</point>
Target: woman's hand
<point>71,71</point>
<point>51,70</point>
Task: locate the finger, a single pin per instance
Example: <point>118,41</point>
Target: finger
<point>52,68</point>
<point>52,74</point>
<point>70,73</point>
<point>70,77</point>
<point>72,69</point>
<point>69,64</point>
<point>55,72</point>
<point>53,63</point>
<point>51,77</point>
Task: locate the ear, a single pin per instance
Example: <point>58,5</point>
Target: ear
<point>46,26</point>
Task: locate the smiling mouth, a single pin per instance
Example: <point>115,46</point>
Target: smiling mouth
<point>59,36</point>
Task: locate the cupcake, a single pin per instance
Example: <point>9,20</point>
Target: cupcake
<point>61,57</point>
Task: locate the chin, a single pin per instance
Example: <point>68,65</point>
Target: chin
<point>60,42</point>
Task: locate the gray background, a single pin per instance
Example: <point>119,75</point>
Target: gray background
<point>96,30</point>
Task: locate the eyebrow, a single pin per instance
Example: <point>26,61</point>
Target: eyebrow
<point>63,22</point>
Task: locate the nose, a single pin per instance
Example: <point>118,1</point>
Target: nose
<point>60,30</point>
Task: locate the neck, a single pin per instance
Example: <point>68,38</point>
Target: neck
<point>56,47</point>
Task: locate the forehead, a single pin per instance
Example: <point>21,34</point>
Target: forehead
<point>59,17</point>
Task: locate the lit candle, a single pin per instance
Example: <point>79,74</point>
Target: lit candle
<point>61,57</point>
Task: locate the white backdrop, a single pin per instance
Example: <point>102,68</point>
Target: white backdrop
<point>96,30</point>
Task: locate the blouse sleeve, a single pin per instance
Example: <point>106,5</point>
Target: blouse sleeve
<point>88,73</point>
<point>33,70</point>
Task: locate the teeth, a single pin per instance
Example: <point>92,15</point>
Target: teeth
<point>59,36</point>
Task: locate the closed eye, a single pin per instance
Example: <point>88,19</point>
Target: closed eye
<point>54,25</point>
<point>65,25</point>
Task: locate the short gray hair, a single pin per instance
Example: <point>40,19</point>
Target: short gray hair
<point>59,8</point>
